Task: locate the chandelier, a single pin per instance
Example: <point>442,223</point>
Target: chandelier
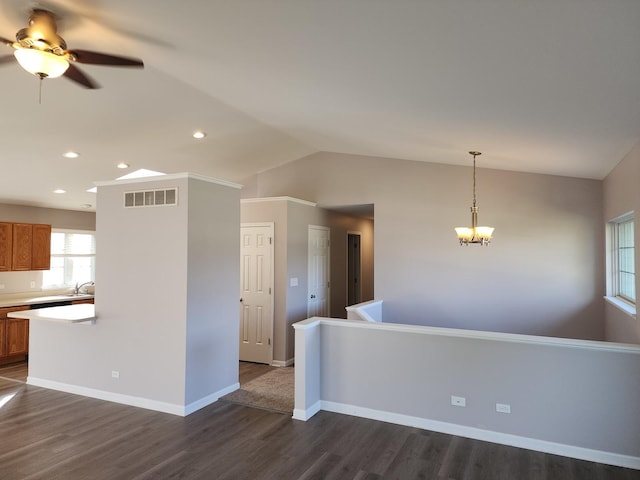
<point>474,234</point>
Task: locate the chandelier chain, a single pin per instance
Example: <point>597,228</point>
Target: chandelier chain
<point>474,179</point>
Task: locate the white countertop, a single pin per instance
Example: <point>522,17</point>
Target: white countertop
<point>81,313</point>
<point>15,300</point>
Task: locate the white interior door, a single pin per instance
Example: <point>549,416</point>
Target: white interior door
<point>256,287</point>
<point>318,285</point>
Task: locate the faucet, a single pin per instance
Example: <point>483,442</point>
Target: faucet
<point>76,290</point>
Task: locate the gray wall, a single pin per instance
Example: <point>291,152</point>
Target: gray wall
<point>276,212</point>
<point>562,393</point>
<point>622,195</point>
<point>18,282</point>
<point>543,274</point>
<point>72,220</point>
<point>341,225</point>
<point>292,219</point>
<point>213,277</point>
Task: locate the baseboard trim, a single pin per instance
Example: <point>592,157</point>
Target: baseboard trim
<point>173,409</point>
<point>572,451</point>
<point>280,363</point>
<point>304,415</point>
<point>209,399</point>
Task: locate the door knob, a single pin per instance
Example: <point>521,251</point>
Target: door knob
<point>313,296</point>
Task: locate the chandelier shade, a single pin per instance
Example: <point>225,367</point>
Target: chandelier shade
<point>475,234</point>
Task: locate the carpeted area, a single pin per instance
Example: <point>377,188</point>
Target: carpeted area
<point>271,391</point>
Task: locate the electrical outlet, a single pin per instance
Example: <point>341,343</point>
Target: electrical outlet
<point>32,284</point>
<point>458,401</point>
<point>115,374</point>
<point>503,408</point>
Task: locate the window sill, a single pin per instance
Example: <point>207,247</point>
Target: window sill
<point>622,305</point>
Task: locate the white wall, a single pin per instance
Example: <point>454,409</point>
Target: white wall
<point>167,302</point>
<point>543,274</point>
<point>622,195</point>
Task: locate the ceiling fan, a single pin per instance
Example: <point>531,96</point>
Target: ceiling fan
<point>41,51</point>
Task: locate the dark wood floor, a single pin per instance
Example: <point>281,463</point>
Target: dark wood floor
<point>45,434</point>
<point>250,371</point>
<point>15,371</point>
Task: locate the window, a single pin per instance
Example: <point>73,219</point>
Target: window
<point>622,272</point>
<point>73,258</point>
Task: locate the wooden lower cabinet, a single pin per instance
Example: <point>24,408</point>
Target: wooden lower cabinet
<point>82,300</point>
<point>14,336</point>
<point>17,336</point>
<point>3,335</point>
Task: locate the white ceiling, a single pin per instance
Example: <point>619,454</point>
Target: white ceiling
<point>546,86</point>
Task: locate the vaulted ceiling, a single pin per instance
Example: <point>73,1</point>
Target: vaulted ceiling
<point>538,86</point>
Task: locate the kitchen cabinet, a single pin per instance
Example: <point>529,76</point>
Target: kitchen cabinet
<point>25,246</point>
<point>82,300</point>
<point>14,336</point>
<point>41,248</point>
<point>22,244</point>
<point>17,336</point>
<point>3,335</point>
<point>6,241</point>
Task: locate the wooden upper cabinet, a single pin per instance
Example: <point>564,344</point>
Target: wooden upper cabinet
<point>6,240</point>
<point>25,246</point>
<point>22,245</point>
<point>41,248</point>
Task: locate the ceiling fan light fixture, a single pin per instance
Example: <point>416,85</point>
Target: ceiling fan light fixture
<point>41,63</point>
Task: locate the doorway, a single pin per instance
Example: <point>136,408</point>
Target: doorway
<point>256,292</point>
<point>354,268</point>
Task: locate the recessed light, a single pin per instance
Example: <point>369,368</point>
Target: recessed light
<point>199,134</point>
<point>59,190</point>
<point>86,205</point>
<point>92,190</point>
<point>71,154</point>
<point>123,165</point>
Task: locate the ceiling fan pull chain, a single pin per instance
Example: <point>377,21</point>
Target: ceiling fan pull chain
<point>40,92</point>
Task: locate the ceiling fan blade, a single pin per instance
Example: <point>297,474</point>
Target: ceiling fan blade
<point>6,41</point>
<point>74,74</point>
<point>7,59</point>
<point>95,58</point>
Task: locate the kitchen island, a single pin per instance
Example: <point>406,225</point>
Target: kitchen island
<point>83,313</point>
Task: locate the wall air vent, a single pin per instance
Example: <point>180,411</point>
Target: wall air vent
<point>151,198</point>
